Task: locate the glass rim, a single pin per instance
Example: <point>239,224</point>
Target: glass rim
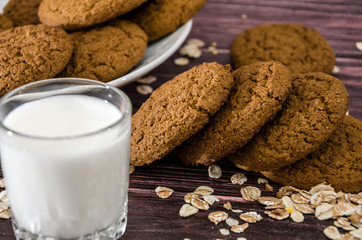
<point>70,80</point>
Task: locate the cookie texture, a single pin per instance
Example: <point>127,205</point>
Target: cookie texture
<point>300,49</point>
<point>314,109</point>
<point>177,110</point>
<point>108,52</point>
<point>30,53</point>
<point>161,17</point>
<point>74,15</point>
<point>22,12</point>
<point>259,92</point>
<point>337,162</point>
<point>5,23</point>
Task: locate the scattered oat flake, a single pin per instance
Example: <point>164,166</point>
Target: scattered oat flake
<point>278,214</point>
<point>163,192</point>
<point>359,210</point>
<point>269,187</point>
<point>344,209</point>
<point>2,183</point>
<point>200,204</point>
<point>217,216</point>
<point>188,210</point>
<point>250,193</point>
<point>332,232</point>
<point>287,201</point>
<point>328,196</point>
<point>144,89</point>
<point>355,198</point>
<point>324,211</point>
<point>147,80</point>
<point>347,113</point>
<point>197,42</point>
<point>4,197</point>
<point>344,223</point>
<point>262,181</point>
<point>204,190</point>
<point>238,178</point>
<point>347,236</point>
<point>359,45</point>
<point>214,44</point>
<point>244,16</point>
<point>211,199</point>
<point>335,69</point>
<point>232,222</point>
<point>190,196</point>
<point>269,201</point>
<point>131,169</point>
<point>187,239</point>
<point>182,61</point>
<point>356,233</point>
<point>228,206</point>
<point>237,210</point>
<point>320,187</point>
<point>304,208</point>
<point>214,171</point>
<point>214,51</point>
<point>224,231</point>
<point>355,218</point>
<point>5,214</point>
<point>241,238</point>
<point>3,206</point>
<point>191,51</point>
<point>316,199</point>
<point>251,217</point>
<point>239,228</point>
<point>297,216</point>
<point>286,191</point>
<point>298,198</point>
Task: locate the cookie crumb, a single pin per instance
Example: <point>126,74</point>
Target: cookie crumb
<point>131,169</point>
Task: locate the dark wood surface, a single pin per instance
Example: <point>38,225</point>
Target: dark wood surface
<point>339,21</point>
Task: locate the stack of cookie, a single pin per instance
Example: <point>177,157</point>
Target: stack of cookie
<point>284,115</point>
<point>85,39</point>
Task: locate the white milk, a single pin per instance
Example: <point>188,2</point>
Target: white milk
<point>66,188</point>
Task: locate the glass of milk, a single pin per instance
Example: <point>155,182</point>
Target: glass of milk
<point>65,149</point>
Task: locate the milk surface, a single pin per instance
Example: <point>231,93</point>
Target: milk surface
<point>71,179</point>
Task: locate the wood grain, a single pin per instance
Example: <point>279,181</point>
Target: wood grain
<point>339,21</point>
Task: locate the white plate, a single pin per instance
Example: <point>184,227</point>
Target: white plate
<point>156,53</point>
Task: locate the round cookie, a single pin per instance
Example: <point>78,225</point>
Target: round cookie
<point>108,52</point>
<point>259,92</point>
<point>314,109</point>
<point>161,17</point>
<point>22,12</point>
<point>337,162</point>
<point>5,23</point>
<point>300,49</point>
<point>30,53</point>
<point>177,110</point>
<point>74,15</point>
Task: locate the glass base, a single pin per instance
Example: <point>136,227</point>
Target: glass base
<point>114,231</point>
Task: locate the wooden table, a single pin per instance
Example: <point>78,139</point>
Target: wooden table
<point>339,21</point>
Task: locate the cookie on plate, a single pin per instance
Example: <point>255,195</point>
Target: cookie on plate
<point>5,23</point>
<point>22,12</point>
<point>315,107</point>
<point>300,49</point>
<point>177,110</point>
<point>74,15</point>
<point>106,53</point>
<point>30,53</point>
<point>259,92</point>
<point>161,17</point>
<point>337,162</point>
